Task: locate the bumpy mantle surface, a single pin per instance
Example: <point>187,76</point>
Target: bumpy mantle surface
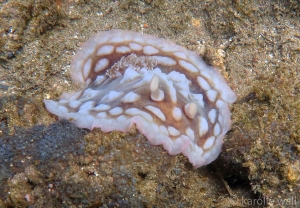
<point>168,92</point>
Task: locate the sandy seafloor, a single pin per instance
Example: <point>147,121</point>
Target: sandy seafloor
<point>49,163</point>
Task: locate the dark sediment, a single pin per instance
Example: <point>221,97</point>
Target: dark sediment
<point>256,46</point>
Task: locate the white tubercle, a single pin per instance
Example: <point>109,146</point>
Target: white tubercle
<point>123,49</point>
<point>190,133</point>
<point>163,130</point>
<point>157,112</point>
<point>112,95</point>
<point>62,109</point>
<point>217,129</point>
<point>149,50</point>
<point>135,46</point>
<point>74,104</point>
<point>87,68</point>
<point>102,107</point>
<point>180,55</point>
<point>130,97</point>
<point>173,131</point>
<point>202,125</point>
<point>167,61</point>
<point>129,74</point>
<point>102,115</point>
<point>212,115</point>
<point>209,142</point>
<point>99,80</point>
<point>177,113</point>
<point>203,83</point>
<point>105,50</point>
<point>189,67</point>
<point>138,112</point>
<point>157,95</point>
<point>101,64</point>
<point>116,111</point>
<point>190,109</point>
<point>154,83</point>
<point>212,95</point>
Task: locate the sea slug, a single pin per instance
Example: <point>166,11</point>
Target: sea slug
<point>172,96</point>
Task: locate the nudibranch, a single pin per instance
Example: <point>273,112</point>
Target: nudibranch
<point>172,96</point>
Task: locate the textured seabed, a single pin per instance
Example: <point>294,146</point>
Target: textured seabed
<point>45,162</point>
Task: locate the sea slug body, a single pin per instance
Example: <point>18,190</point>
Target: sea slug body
<point>172,96</point>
